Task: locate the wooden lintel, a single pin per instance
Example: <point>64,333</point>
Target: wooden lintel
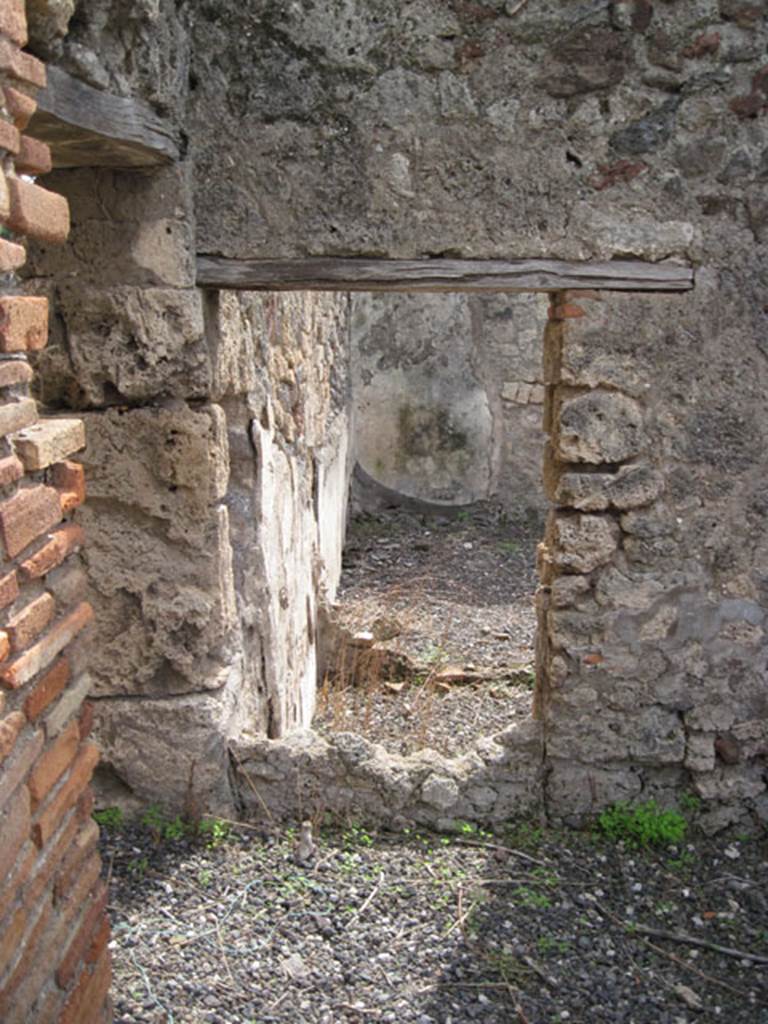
<point>436,275</point>
<point>88,128</point>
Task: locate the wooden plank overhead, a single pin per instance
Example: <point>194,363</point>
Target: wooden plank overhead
<point>436,275</point>
<point>88,128</point>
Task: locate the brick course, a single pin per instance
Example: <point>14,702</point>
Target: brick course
<point>38,657</point>
<point>23,323</point>
<point>14,371</point>
<point>37,212</point>
<point>48,818</point>
<point>54,762</point>
<point>13,21</point>
<point>49,441</point>
<point>27,515</point>
<point>21,107</point>
<point>47,689</point>
<point>28,623</point>
<point>33,157</point>
<point>53,925</point>
<point>11,470</point>
<point>69,479</point>
<point>10,140</point>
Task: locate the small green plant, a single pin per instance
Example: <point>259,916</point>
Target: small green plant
<point>533,898</point>
<point>463,516</point>
<point>665,908</point>
<point>204,877</point>
<point>690,803</point>
<point>682,862</point>
<point>214,831</point>
<point>548,944</point>
<point>356,835</point>
<point>509,547</point>
<point>138,867</point>
<point>433,653</point>
<point>524,835</point>
<point>163,828</point>
<point>110,818</point>
<point>642,825</point>
<point>174,829</point>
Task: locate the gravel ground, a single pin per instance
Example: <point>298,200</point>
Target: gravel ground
<point>526,925</point>
<point>450,605</point>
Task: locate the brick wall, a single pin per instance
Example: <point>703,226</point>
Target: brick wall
<point>54,961</point>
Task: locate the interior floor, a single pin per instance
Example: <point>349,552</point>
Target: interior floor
<point>434,628</point>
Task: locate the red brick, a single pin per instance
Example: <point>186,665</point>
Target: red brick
<point>11,470</point>
<point>37,970</point>
<point>73,888</point>
<point>82,939</point>
<point>69,479</point>
<point>17,415</point>
<point>42,654</point>
<point>10,140</point>
<point>5,645</point>
<point>99,940</point>
<point>48,819</point>
<point>34,157</point>
<point>13,21</point>
<point>36,925</point>
<point>11,933</point>
<point>13,882</point>
<point>15,770</point>
<point>47,689</point>
<point>35,938</point>
<point>9,589</point>
<point>14,828</point>
<point>20,106</point>
<point>49,861</point>
<point>10,727</point>
<point>85,806</point>
<point>21,66</point>
<point>54,762</point>
<point>88,995</point>
<point>37,212</point>
<point>29,623</point>
<point>582,293</point>
<point>14,371</point>
<point>12,256</point>
<point>85,720</point>
<point>26,516</point>
<point>23,323</point>
<point>62,543</point>
<point>567,311</point>
<point>77,853</point>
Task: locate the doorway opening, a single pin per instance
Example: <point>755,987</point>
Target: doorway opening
<point>430,641</point>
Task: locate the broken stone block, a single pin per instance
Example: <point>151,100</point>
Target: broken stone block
<point>584,542</point>
<point>631,487</point>
<point>599,426</point>
<point>440,792</point>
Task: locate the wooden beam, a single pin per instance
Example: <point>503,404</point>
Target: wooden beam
<point>437,275</point>
<point>88,128</point>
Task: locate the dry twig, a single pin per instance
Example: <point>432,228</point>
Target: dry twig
<point>691,940</point>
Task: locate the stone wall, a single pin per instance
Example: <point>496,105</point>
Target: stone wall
<point>573,131</point>
<point>218,473</point>
<point>54,960</point>
<point>652,615</point>
<point>577,131</point>
<point>447,395</point>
